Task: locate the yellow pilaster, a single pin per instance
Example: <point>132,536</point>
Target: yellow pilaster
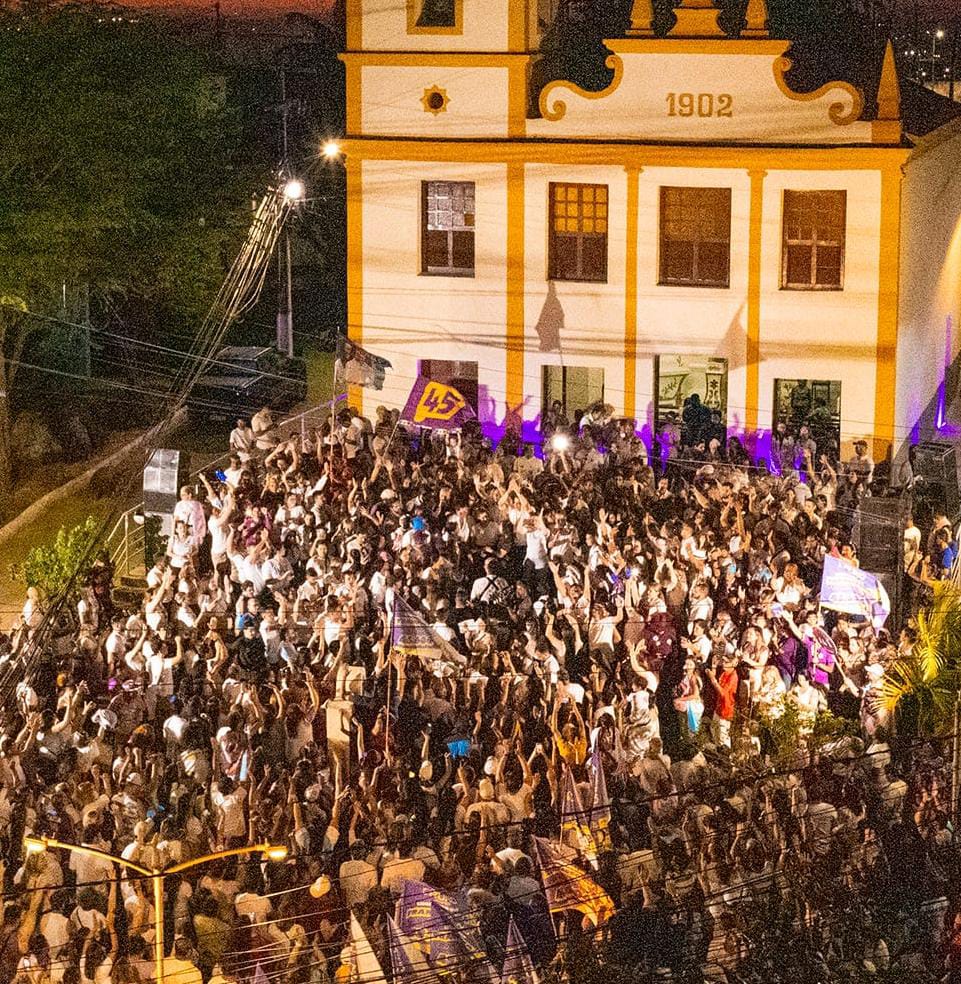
<point>518,25</point>
<point>517,97</point>
<point>514,369</point>
<point>355,266</point>
<point>354,117</point>
<point>889,269</point>
<point>355,33</point>
<point>753,353</point>
<point>630,294</point>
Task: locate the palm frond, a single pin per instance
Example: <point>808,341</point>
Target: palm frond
<point>904,678</point>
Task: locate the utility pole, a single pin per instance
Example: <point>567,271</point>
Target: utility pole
<point>954,58</point>
<point>285,299</point>
<point>916,47</point>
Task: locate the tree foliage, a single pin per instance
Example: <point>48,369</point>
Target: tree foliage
<point>49,567</point>
<point>921,688</point>
<point>120,163</point>
<point>123,179</point>
<point>784,738</point>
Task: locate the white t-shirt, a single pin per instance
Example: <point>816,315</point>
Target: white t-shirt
<point>537,548</point>
<point>241,440</point>
<point>247,571</point>
<point>191,512</point>
<point>231,807</point>
<point>55,928</point>
<point>161,673</point>
<point>218,536</point>
<point>173,729</point>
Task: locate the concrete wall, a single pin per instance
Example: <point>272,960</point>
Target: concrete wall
<point>929,340</point>
<point>484,27</point>
<point>394,95</point>
<point>824,334</point>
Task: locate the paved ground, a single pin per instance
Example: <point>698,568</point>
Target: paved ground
<point>198,438</point>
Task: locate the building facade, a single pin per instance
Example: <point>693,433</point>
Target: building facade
<point>696,226</point>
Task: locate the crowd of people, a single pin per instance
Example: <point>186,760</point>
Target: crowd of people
<point>410,657</point>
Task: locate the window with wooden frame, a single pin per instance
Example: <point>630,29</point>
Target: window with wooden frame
<point>695,237</point>
<point>814,236</point>
<point>578,239</point>
<point>447,240</point>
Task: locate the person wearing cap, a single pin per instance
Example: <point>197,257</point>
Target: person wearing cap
<point>248,649</point>
<point>523,585</point>
<point>570,740</point>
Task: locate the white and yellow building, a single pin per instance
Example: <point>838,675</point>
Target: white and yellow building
<point>694,226</point>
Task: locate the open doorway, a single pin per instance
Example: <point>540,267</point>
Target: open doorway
<point>691,397</point>
<point>814,404</point>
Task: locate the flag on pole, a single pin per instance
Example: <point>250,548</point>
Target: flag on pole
<point>411,636</point>
<point>436,405</point>
<point>518,967</point>
<point>846,588</point>
<point>575,826</point>
<point>367,967</point>
<point>358,367</point>
<point>447,934</point>
<point>420,914</point>
<point>601,803</point>
<point>567,886</point>
<point>407,960</point>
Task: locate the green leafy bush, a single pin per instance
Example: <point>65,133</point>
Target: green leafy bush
<point>50,567</point>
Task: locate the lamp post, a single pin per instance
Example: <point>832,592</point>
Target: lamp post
<point>271,852</point>
<point>936,36</point>
<point>331,151</point>
<point>294,193</point>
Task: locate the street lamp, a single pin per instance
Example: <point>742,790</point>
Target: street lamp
<point>294,190</point>
<point>331,149</point>
<point>270,852</point>
<point>936,36</point>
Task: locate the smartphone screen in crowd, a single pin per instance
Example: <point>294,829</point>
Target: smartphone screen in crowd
<point>459,749</point>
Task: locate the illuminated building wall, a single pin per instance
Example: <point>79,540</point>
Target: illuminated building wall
<point>694,213</point>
